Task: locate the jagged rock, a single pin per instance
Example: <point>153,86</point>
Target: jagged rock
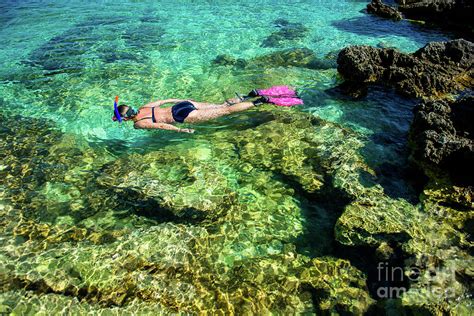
<point>434,70</point>
<point>442,137</point>
<point>451,13</point>
<point>377,7</point>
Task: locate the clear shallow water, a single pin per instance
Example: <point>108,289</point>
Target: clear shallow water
<point>245,191</point>
<point>144,51</point>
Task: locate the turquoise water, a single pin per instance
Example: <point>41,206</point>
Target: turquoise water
<point>101,216</point>
<point>144,51</point>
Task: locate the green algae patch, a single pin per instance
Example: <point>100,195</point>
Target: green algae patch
<point>209,224</point>
<point>204,225</point>
<point>283,146</point>
<point>432,234</point>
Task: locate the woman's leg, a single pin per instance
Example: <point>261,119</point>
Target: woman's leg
<point>206,114</point>
<point>205,105</point>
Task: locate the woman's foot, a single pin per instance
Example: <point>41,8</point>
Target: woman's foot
<point>260,101</point>
<point>253,93</point>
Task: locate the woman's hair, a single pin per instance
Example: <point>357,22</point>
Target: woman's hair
<point>125,111</point>
<point>123,108</point>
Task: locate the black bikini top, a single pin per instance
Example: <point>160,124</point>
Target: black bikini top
<point>152,116</point>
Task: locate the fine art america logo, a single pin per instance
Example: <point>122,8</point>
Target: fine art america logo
<point>393,281</point>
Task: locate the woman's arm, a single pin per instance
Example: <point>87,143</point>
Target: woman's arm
<point>151,125</point>
<point>161,102</point>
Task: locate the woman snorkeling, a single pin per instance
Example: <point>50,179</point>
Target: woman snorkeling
<point>154,116</point>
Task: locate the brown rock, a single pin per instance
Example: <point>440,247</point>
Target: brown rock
<point>377,7</point>
<point>434,70</point>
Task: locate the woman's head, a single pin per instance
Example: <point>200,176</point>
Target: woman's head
<point>125,111</point>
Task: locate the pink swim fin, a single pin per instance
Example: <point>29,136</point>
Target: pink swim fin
<point>285,101</point>
<point>277,91</point>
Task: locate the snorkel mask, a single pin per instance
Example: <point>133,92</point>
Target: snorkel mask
<point>130,112</point>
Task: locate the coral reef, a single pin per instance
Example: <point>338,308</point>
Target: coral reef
<point>434,70</point>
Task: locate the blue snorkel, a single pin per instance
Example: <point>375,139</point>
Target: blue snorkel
<point>117,114</point>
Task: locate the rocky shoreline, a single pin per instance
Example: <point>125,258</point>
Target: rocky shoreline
<point>273,218</point>
<point>433,71</point>
<point>441,140</point>
<point>451,14</point>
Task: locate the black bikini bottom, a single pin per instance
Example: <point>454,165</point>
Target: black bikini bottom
<point>181,110</point>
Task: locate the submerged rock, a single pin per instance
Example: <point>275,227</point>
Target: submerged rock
<point>227,247</point>
<point>144,36</point>
<point>293,57</point>
<point>288,150</point>
<point>176,182</point>
<point>297,57</point>
<point>44,171</point>
<point>434,70</point>
<point>288,32</point>
<point>377,7</point>
<point>442,137</point>
<point>163,269</point>
<point>224,212</point>
<point>64,52</point>
<point>227,60</point>
<point>70,51</point>
<point>433,236</point>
